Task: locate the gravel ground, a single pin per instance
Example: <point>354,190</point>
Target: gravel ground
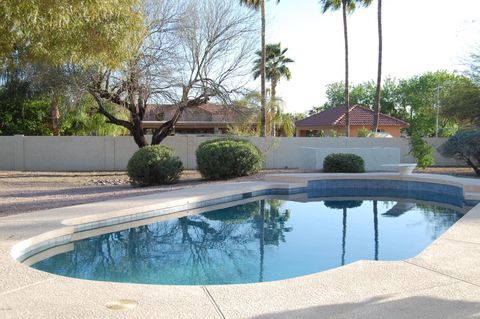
<point>22,192</point>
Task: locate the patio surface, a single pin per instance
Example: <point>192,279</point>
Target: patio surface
<point>441,282</point>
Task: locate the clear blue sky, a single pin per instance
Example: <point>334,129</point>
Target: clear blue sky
<point>419,36</point>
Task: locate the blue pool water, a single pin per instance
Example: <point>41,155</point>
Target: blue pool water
<point>262,240</point>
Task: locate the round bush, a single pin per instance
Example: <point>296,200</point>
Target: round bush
<point>154,165</point>
<point>228,158</point>
<point>343,163</point>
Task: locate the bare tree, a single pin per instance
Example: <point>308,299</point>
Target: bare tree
<point>194,51</point>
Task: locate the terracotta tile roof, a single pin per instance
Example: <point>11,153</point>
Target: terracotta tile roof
<point>213,108</point>
<point>205,112</point>
<point>358,116</point>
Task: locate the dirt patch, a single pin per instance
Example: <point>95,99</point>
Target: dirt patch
<point>454,171</point>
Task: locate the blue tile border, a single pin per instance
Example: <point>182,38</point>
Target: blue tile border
<point>432,192</point>
<point>470,202</point>
<point>440,193</point>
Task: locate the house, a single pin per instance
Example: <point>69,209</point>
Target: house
<point>333,120</point>
<point>207,118</point>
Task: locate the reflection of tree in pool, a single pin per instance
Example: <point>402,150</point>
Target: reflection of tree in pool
<point>183,249</point>
<point>439,218</point>
<point>235,214</point>
<point>270,228</point>
<point>343,205</point>
<point>272,220</point>
<point>190,243</point>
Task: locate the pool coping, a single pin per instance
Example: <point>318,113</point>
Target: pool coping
<point>447,268</point>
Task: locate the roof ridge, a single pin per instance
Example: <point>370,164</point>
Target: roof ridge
<point>344,113</point>
<point>372,111</point>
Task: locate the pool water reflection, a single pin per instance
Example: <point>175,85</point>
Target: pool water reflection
<point>263,240</point>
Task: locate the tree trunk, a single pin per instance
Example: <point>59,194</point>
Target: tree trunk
<point>274,105</point>
<point>263,131</point>
<point>137,132</point>
<point>167,128</point>
<point>472,165</point>
<point>55,113</point>
<point>347,94</point>
<point>377,106</point>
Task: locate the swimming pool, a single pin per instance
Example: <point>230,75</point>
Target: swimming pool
<point>262,239</point>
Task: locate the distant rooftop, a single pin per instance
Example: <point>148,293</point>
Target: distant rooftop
<point>207,112</point>
<point>359,115</point>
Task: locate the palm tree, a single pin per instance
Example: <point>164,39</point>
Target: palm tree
<point>347,6</point>
<point>260,5</point>
<point>376,107</point>
<point>275,68</point>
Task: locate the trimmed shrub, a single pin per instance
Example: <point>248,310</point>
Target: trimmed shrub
<point>154,165</point>
<point>343,163</point>
<point>228,158</point>
<point>465,146</point>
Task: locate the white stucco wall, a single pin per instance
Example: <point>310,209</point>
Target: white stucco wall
<point>97,153</point>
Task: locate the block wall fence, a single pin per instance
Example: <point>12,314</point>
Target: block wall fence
<point>108,153</point>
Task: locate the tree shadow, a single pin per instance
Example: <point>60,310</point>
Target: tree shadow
<point>378,307</point>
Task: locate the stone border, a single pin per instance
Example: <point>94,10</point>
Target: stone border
<point>446,275</point>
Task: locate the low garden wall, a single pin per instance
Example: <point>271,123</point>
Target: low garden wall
<point>100,153</point>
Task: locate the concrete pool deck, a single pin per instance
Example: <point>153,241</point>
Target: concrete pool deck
<point>441,282</point>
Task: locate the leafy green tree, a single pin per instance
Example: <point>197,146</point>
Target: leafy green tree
<point>21,112</point>
<point>50,36</point>
<point>414,100</point>
<point>364,94</point>
<point>69,31</point>
<point>462,103</point>
<point>60,85</point>
<point>347,6</point>
<point>421,96</point>
<point>461,100</point>
<point>260,5</point>
<point>82,118</point>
